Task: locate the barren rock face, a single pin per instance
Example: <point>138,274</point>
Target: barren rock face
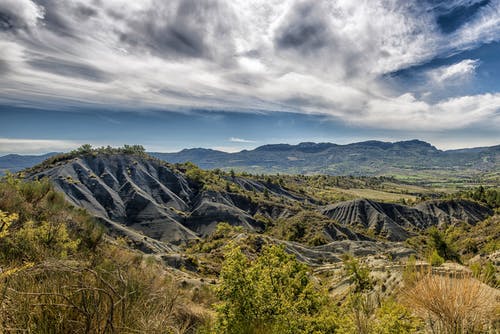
<point>398,222</point>
<point>143,195</point>
<point>453,211</point>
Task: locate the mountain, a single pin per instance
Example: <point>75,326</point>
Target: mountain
<point>159,205</point>
<point>364,158</point>
<point>16,162</point>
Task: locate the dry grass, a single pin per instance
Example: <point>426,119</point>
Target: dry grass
<point>454,304</point>
<point>62,297</point>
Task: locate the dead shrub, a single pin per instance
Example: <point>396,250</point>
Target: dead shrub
<point>453,304</point>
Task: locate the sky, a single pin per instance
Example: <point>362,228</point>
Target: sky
<point>233,75</point>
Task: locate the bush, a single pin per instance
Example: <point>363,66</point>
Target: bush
<point>272,294</point>
<point>442,246</point>
<point>435,260</point>
<point>112,297</point>
<point>57,275</point>
<point>360,274</point>
<point>5,221</point>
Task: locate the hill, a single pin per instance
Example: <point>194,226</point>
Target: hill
<point>160,205</point>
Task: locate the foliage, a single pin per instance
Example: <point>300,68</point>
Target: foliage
<point>118,294</point>
<point>271,294</point>
<point>441,246</point>
<point>359,274</point>
<point>307,227</point>
<point>394,318</point>
<point>89,150</point>
<point>486,272</point>
<point>5,221</point>
<point>362,314</point>
<point>435,259</point>
<point>486,196</point>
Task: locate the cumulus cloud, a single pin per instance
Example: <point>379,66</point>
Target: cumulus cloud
<point>327,57</point>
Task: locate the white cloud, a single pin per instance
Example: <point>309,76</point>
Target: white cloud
<point>21,14</point>
<point>455,72</point>
<point>320,56</point>
<point>240,140</point>
<point>35,146</point>
<point>406,112</point>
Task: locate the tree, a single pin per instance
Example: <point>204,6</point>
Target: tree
<point>443,248</point>
<point>359,273</point>
<point>84,149</point>
<point>272,294</point>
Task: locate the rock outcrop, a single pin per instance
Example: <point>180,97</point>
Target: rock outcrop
<point>398,222</point>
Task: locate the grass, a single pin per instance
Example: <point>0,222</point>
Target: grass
<point>453,304</point>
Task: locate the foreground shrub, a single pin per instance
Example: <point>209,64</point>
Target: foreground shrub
<point>66,297</point>
<point>453,305</point>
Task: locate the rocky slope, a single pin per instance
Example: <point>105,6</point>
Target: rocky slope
<point>140,195</point>
<point>398,222</point>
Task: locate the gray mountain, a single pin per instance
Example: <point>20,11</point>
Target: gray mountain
<point>364,158</point>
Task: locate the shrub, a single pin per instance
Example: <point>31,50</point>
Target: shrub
<point>486,272</point>
<point>5,221</point>
<point>272,294</point>
<point>435,259</point>
<point>451,305</point>
<point>359,274</point>
<point>362,313</point>
<point>442,246</point>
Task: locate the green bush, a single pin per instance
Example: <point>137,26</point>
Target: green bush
<point>435,259</point>
<point>271,294</point>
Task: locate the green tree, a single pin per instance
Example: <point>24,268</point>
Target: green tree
<point>272,294</point>
<point>442,246</point>
<point>359,273</point>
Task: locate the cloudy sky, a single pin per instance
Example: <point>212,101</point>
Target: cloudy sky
<point>237,74</point>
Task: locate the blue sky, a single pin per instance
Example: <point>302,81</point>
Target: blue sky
<point>234,75</point>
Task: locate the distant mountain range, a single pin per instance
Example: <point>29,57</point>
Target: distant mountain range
<point>17,162</point>
<point>363,158</point>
